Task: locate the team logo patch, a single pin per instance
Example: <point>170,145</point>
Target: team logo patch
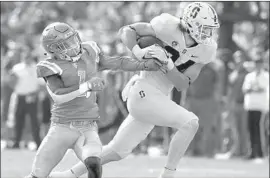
<point>142,94</point>
<point>184,51</point>
<point>174,43</point>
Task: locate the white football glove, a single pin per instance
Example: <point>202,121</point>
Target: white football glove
<point>140,53</point>
<point>143,54</point>
<point>159,53</point>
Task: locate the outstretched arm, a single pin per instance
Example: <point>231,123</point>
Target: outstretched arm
<point>129,35</point>
<point>127,63</point>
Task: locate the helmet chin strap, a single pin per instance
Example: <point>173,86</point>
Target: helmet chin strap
<point>74,58</point>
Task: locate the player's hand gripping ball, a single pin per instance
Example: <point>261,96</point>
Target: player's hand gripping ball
<point>152,42</point>
<point>146,41</point>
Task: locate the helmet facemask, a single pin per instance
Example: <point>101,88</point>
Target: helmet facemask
<point>68,49</point>
<point>202,33</point>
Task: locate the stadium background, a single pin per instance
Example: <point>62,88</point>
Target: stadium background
<point>244,27</point>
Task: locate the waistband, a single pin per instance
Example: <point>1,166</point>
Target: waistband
<point>68,121</point>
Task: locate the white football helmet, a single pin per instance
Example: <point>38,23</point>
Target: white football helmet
<point>201,20</point>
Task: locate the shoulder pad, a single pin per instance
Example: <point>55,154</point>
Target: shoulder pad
<point>165,27</point>
<point>46,68</point>
<point>160,22</point>
<point>93,49</point>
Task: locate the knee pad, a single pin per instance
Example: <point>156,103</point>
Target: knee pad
<point>93,165</point>
<point>192,124</point>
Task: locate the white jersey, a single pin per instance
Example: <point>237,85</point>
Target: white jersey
<point>167,30</point>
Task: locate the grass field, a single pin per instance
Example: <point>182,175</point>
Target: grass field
<point>17,163</point>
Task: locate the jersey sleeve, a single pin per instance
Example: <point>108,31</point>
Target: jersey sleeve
<point>93,50</point>
<point>46,68</point>
<point>160,23</point>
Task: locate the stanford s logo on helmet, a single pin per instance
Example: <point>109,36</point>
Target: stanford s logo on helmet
<point>201,20</point>
<point>62,41</point>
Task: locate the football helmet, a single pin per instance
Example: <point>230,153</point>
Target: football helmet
<point>61,40</point>
<point>201,20</point>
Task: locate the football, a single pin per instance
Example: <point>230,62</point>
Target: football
<point>146,41</point>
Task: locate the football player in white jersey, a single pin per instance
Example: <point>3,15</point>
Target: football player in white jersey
<point>189,45</point>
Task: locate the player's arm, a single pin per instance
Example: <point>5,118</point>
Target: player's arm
<point>51,72</point>
<point>182,81</point>
<point>130,33</point>
<point>60,93</point>
<point>127,63</point>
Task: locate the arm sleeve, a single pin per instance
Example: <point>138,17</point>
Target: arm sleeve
<point>124,63</point>
<point>60,93</point>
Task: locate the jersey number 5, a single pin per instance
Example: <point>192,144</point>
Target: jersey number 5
<point>82,75</point>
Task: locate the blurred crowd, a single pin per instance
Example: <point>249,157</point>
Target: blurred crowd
<point>230,96</point>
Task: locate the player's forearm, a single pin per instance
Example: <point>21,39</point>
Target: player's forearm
<point>63,91</point>
<point>179,80</point>
<point>186,78</point>
<point>63,95</point>
<point>124,63</point>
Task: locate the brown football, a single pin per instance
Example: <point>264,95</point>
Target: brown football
<point>146,41</point>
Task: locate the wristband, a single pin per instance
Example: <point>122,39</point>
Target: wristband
<point>84,87</point>
<point>170,64</point>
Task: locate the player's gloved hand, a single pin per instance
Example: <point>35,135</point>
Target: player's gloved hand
<point>154,65</point>
<point>159,53</point>
<point>140,53</point>
<point>96,84</point>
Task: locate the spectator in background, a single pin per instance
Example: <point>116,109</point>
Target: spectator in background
<point>256,103</point>
<point>26,86</point>
<point>13,57</point>
<point>45,110</point>
<point>235,104</point>
<point>203,98</point>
